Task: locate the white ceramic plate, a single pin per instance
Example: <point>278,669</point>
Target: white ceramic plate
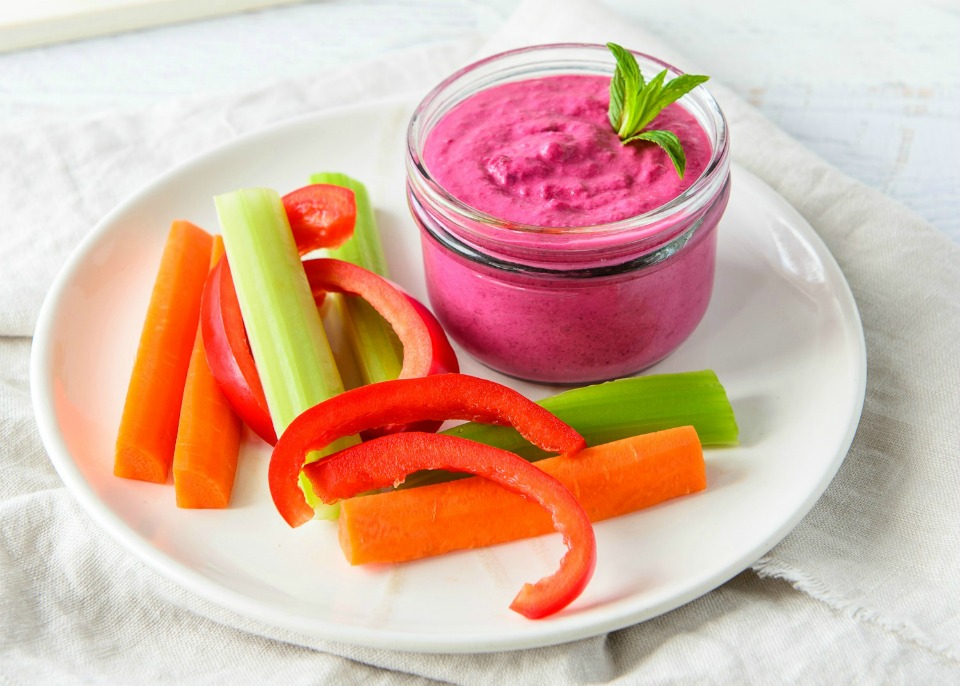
<point>782,332</point>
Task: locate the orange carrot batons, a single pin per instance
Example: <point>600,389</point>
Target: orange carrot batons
<point>208,439</point>
<point>148,425</point>
<point>608,480</point>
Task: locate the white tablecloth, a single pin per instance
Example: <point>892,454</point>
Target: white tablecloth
<point>863,590</point>
<point>871,87</point>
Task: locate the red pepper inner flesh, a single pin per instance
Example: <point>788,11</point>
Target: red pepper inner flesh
<point>387,460</point>
<point>403,401</point>
<point>320,215</point>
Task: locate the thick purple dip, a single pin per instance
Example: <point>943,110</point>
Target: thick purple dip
<point>564,306</point>
<point>543,152</point>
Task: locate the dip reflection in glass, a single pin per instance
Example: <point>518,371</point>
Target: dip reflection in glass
<point>553,252</point>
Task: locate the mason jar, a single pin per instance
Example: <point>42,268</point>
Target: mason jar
<point>566,304</point>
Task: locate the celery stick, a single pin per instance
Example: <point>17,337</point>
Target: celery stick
<point>627,407</point>
<point>364,247</point>
<point>617,409</point>
<point>377,351</point>
<point>332,314</point>
<point>286,335</point>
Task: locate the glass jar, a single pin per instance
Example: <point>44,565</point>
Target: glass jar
<point>570,304</point>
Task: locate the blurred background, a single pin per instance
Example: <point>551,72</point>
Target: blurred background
<point>872,87</point>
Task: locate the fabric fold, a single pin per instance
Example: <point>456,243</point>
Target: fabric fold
<point>69,175</point>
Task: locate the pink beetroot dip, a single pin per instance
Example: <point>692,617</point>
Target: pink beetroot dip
<point>543,152</point>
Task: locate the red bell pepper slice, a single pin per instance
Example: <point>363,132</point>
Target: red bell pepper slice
<point>337,276</point>
<point>344,277</point>
<point>402,401</point>
<point>228,352</point>
<point>320,215</point>
<point>387,460</point>
<point>444,362</point>
<point>426,349</point>
<point>444,357</point>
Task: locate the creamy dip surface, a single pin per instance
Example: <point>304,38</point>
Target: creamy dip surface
<point>542,152</point>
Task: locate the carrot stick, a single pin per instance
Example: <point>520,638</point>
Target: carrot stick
<point>208,439</point>
<point>148,426</point>
<point>609,480</point>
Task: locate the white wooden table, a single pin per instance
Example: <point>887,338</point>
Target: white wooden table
<point>872,86</point>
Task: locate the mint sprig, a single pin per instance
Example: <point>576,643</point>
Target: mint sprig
<point>634,103</point>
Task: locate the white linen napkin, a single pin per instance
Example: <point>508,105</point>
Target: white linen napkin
<point>883,541</point>
<point>864,589</point>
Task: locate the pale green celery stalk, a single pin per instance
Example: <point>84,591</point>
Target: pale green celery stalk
<point>617,409</point>
<point>286,335</point>
<point>364,247</point>
<point>376,348</point>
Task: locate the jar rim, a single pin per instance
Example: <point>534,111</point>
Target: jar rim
<point>691,196</point>
<point>645,261</point>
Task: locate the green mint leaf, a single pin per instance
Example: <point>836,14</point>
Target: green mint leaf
<point>626,82</point>
<point>616,100</point>
<point>669,142</point>
<point>648,100</point>
<point>677,88</point>
<point>634,103</point>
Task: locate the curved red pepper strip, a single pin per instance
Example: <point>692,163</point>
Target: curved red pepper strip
<point>425,345</point>
<point>228,352</point>
<point>385,461</point>
<point>444,362</point>
<point>402,401</point>
<point>444,357</point>
<point>337,276</point>
<point>320,216</point>
<point>344,277</point>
